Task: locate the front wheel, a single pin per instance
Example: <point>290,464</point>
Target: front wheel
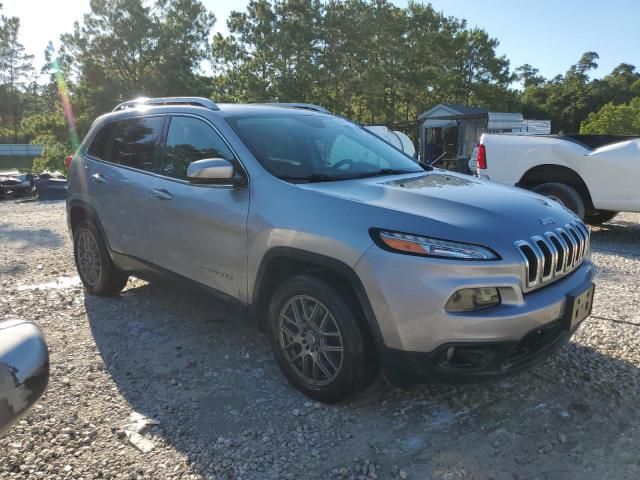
<point>564,194</point>
<point>97,271</point>
<point>317,341</point>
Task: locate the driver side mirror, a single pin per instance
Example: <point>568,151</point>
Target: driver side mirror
<point>213,171</point>
<point>24,369</point>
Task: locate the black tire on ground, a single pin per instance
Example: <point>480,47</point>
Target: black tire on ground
<point>600,217</point>
<point>564,194</point>
<point>109,281</point>
<point>358,367</point>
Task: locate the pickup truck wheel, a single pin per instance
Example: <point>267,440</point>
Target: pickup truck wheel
<point>564,195</point>
<point>317,341</point>
<point>98,273</point>
<point>600,217</point>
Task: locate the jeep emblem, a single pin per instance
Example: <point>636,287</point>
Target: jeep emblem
<point>546,220</point>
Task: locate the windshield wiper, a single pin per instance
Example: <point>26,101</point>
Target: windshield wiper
<point>320,177</point>
<point>386,171</point>
<point>316,177</point>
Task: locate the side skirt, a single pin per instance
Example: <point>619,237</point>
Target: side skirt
<point>151,272</point>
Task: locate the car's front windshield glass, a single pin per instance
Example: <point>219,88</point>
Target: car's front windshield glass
<point>302,147</point>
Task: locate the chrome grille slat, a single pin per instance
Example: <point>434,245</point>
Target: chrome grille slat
<point>579,246</point>
<point>540,264</point>
<point>584,230</point>
<point>549,263</point>
<point>554,250</point>
<point>565,247</point>
<point>572,249</point>
<point>583,242</point>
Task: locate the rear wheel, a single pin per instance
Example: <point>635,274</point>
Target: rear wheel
<point>600,217</point>
<point>318,342</point>
<point>98,273</point>
<point>564,194</point>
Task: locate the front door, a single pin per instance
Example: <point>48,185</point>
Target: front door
<point>199,231</point>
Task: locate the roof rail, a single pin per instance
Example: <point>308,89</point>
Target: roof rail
<point>197,101</point>
<point>304,106</point>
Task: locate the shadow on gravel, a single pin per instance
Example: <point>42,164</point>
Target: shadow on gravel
<point>209,379</point>
<point>29,238</point>
<point>618,233</point>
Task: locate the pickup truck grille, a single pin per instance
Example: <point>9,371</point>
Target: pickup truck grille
<point>553,254</point>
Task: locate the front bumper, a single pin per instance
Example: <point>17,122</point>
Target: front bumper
<point>476,362</point>
<point>408,295</point>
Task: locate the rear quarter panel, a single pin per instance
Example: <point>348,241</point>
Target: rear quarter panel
<point>614,171</point>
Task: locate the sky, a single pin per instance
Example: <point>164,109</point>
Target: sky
<point>551,35</point>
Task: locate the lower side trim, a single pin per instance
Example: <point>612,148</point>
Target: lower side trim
<point>151,272</point>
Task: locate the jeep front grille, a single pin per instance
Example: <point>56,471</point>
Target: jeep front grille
<point>553,254</point>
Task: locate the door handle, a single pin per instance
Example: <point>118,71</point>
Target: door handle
<point>162,194</point>
<point>98,178</point>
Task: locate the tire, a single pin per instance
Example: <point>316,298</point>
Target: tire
<point>563,194</point>
<point>300,348</point>
<point>98,273</point>
<point>600,217</point>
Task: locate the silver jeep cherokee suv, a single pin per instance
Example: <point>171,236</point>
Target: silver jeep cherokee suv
<point>352,256</point>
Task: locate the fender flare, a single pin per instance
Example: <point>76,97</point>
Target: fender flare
<point>90,214</point>
<point>560,173</point>
<point>326,263</point>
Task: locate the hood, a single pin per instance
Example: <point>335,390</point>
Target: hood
<point>459,206</point>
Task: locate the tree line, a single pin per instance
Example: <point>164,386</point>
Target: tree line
<point>368,60</point>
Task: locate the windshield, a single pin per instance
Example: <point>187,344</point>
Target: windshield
<point>309,148</point>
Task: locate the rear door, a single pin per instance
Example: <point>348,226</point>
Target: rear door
<point>120,178</point>
<point>199,231</point>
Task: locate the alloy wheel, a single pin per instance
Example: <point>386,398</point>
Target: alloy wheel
<point>310,340</point>
<point>88,252</point>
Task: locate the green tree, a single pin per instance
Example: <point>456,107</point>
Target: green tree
<point>529,76</point>
<point>51,131</point>
<point>566,99</point>
<point>366,59</point>
<point>16,69</point>
<point>619,86</point>
<point>246,58</point>
<point>127,48</point>
<point>479,74</point>
<point>613,119</point>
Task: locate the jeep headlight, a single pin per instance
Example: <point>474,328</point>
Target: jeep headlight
<point>431,247</point>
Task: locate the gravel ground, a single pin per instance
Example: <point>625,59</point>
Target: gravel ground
<point>224,411</point>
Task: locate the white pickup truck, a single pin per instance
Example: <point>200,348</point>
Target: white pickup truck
<point>596,176</point>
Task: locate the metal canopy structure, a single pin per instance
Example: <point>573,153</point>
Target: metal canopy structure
<point>449,133</point>
<point>463,116</point>
<point>18,156</point>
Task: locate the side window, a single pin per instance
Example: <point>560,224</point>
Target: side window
<point>134,142</point>
<point>100,143</point>
<point>188,140</point>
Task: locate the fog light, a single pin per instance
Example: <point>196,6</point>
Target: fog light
<point>473,299</point>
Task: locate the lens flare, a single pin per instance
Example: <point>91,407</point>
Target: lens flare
<point>63,92</point>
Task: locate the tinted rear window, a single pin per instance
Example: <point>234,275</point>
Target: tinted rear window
<point>134,142</point>
<point>100,143</point>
